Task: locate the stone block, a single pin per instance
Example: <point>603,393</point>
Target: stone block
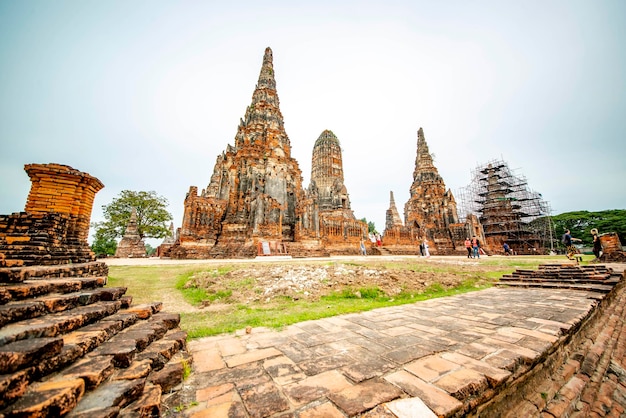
<point>364,396</point>
<point>52,398</point>
<point>21,354</point>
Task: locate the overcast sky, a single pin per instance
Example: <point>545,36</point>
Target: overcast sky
<point>144,95</point>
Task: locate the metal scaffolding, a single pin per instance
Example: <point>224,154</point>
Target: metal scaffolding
<point>507,209</point>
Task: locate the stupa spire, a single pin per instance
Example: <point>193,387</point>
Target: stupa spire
<point>424,161</point>
<point>263,124</point>
<point>392,216</point>
<point>266,76</point>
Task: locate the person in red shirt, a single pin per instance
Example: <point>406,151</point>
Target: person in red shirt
<point>468,247</point>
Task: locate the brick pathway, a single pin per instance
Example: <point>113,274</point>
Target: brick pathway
<point>439,357</point>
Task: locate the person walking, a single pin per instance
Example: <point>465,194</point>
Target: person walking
<point>475,247</point>
<point>363,250</point>
<point>597,245</point>
<point>468,247</point>
<point>426,252</point>
<point>568,241</point>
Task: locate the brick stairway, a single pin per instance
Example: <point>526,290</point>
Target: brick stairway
<point>597,278</point>
<point>71,346</point>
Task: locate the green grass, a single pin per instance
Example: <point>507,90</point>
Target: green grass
<point>176,284</point>
<point>287,311</point>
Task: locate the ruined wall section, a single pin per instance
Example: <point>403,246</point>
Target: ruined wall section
<point>54,226</point>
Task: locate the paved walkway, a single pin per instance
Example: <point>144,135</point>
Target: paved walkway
<point>414,360</point>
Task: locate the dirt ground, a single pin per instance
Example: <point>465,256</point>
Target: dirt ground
<point>265,282</point>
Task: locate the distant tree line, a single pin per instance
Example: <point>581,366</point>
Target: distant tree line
<point>580,223</point>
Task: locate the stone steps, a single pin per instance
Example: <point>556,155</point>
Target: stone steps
<point>71,347</point>
<point>596,278</point>
<point>29,309</point>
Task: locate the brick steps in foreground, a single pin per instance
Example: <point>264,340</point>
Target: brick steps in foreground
<point>69,346</point>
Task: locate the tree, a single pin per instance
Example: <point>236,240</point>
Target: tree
<point>103,245</point>
<point>150,250</point>
<point>581,222</point>
<point>152,216</point>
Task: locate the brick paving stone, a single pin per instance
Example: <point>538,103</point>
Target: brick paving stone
<point>263,400</point>
<point>252,356</point>
<point>207,360</point>
<point>213,411</point>
<point>323,364</point>
<point>525,353</point>
<point>534,344</point>
<point>316,387</point>
<point>428,329</point>
<point>371,346</point>
<point>213,392</point>
<point>401,330</point>
<point>407,354</point>
<point>431,368</point>
<point>462,383</point>
<point>505,359</point>
<point>494,375</point>
<point>325,410</point>
<point>436,399</point>
<point>364,396</point>
<point>367,367</point>
<point>410,408</point>
<point>283,370</point>
<point>296,352</point>
<point>476,350</point>
<point>231,347</point>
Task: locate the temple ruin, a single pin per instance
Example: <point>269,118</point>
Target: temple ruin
<point>430,213</point>
<point>255,203</point>
<point>131,245</point>
<point>508,210</point>
<point>68,343</point>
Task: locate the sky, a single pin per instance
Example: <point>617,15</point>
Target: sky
<point>144,95</point>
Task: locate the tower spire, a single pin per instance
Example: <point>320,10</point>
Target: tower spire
<point>423,161</point>
<point>263,121</point>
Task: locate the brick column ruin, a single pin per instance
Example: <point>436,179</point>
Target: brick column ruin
<point>61,189</point>
<point>54,227</point>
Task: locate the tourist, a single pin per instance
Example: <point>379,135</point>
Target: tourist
<point>421,249</point>
<point>378,241</point>
<point>475,247</point>
<point>568,241</point>
<point>597,245</point>
<point>426,252</point>
<point>507,249</point>
<point>363,250</point>
<point>468,247</point>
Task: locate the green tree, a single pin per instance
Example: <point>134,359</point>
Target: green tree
<point>152,217</point>
<point>150,250</point>
<point>581,222</point>
<point>103,245</point>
